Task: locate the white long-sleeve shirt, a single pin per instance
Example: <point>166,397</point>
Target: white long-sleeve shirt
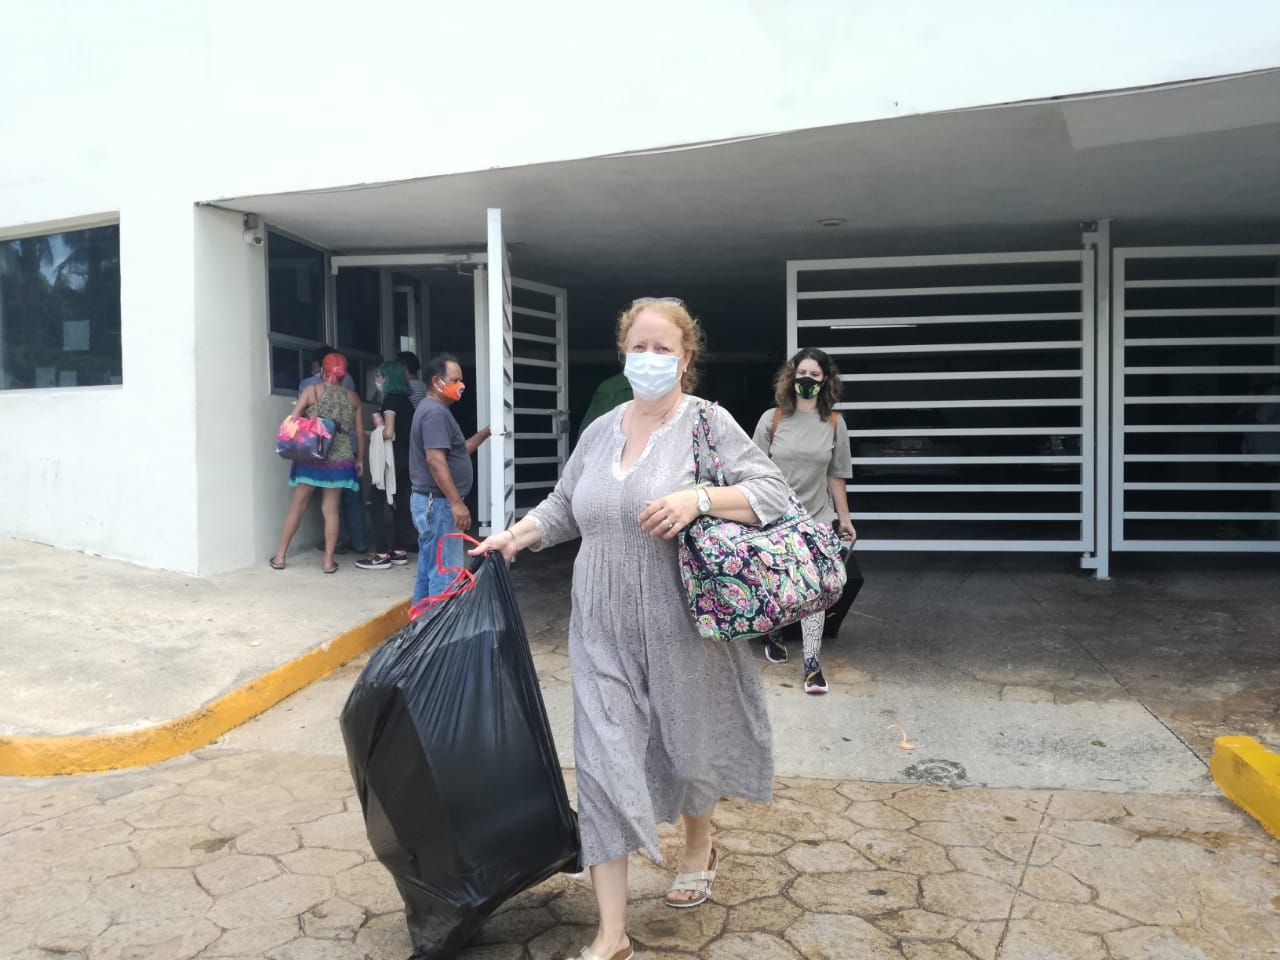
<point>382,464</point>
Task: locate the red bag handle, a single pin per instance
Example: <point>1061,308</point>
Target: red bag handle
<point>463,582</point>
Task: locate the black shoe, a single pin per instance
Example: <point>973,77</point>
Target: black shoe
<point>774,651</point>
<point>814,681</point>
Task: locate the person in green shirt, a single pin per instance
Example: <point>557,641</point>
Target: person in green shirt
<point>608,395</point>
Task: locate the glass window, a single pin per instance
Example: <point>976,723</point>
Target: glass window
<point>358,316</point>
<point>296,293</point>
<point>359,311</point>
<point>289,366</point>
<point>401,311</point>
<point>60,309</point>
<point>295,281</point>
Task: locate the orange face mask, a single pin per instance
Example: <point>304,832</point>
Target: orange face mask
<point>452,391</point>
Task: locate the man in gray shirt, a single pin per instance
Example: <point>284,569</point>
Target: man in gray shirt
<point>441,473</point>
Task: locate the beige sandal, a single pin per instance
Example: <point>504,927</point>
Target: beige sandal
<point>626,953</point>
<point>698,882</point>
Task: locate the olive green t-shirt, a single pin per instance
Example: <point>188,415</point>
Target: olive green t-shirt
<point>808,451</point>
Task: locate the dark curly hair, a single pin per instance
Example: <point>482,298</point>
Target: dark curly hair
<point>784,391</point>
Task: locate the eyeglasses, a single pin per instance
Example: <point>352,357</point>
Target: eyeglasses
<point>642,300</point>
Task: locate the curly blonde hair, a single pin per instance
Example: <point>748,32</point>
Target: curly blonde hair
<point>692,340</point>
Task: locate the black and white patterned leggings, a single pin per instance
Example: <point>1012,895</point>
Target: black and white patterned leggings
<point>811,631</point>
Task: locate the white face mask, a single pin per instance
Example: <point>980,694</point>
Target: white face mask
<point>651,375</point>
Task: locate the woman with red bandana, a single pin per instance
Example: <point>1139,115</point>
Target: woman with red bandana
<point>341,470</point>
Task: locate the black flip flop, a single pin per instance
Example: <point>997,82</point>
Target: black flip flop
<point>274,565</point>
<point>333,569</point>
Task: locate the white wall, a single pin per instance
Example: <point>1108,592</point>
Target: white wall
<point>111,470</point>
<point>176,468</point>
<point>58,447</point>
<point>145,107</point>
<point>242,96</point>
<point>242,488</point>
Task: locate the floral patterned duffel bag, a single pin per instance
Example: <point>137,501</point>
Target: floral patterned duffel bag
<point>744,580</point>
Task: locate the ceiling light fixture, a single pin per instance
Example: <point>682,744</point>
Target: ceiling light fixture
<point>830,221</point>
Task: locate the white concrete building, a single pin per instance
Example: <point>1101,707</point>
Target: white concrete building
<point>1042,239</point>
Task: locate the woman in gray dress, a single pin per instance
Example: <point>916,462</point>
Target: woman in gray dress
<point>665,723</point>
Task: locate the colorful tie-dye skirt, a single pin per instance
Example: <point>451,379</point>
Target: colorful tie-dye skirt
<point>325,473</point>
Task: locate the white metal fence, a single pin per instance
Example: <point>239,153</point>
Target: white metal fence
<point>541,390</point>
<point>1005,402</point>
<point>968,394</point>
<point>1195,356</point>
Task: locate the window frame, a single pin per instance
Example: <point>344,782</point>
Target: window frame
<point>289,341</point>
<point>56,227</point>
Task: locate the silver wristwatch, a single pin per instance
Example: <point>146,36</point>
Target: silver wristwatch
<point>704,501</point>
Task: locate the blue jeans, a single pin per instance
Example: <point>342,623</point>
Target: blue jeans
<point>352,520</point>
<point>433,518</point>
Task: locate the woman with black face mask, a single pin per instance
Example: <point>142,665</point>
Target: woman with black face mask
<point>808,440</point>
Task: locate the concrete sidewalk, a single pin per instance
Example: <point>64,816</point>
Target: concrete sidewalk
<point>245,852</point>
<point>1056,805</point>
<point>1017,672</point>
<point>100,646</point>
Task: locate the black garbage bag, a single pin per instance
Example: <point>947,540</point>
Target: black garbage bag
<point>454,763</point>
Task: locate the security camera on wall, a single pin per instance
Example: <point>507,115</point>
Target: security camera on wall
<point>253,234</point>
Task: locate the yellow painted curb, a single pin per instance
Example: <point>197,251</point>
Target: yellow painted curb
<point>49,756</point>
<point>1249,775</point>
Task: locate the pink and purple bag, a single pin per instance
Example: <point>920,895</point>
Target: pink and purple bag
<point>305,438</point>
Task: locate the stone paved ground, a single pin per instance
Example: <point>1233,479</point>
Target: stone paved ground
<point>255,854</point>
<point>254,848</point>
